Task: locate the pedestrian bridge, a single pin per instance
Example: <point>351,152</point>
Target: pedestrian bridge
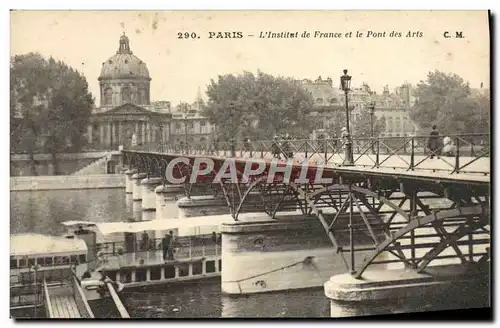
<point>396,198</point>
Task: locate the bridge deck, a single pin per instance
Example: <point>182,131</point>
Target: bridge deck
<point>436,169</point>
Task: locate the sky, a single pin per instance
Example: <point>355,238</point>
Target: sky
<point>178,67</point>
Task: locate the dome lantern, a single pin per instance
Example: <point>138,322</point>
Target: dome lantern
<point>124,45</point>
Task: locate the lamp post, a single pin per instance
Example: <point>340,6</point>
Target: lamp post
<point>372,112</point>
<point>345,83</point>
<point>231,140</point>
<point>185,132</point>
<point>161,147</point>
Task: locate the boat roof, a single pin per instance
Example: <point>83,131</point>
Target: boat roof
<point>37,244</point>
<point>163,224</point>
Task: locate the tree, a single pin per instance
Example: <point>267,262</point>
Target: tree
<point>443,99</point>
<point>50,106</point>
<point>258,106</point>
<point>362,127</point>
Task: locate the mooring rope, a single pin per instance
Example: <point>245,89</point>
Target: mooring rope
<point>308,260</point>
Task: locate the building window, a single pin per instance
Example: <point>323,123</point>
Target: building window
<point>126,95</point>
<point>203,127</point>
<point>333,100</point>
<point>177,126</point>
<point>108,96</point>
<point>319,100</point>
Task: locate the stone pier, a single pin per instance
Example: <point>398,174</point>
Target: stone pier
<point>129,183</point>
<point>148,193</point>
<point>165,193</point>
<point>437,284</point>
<point>136,186</point>
<point>263,255</point>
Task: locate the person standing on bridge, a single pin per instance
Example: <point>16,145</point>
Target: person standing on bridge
<point>434,142</point>
<point>165,244</point>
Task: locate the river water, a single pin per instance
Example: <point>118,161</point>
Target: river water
<point>43,211</point>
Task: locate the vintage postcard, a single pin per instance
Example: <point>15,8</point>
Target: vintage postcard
<point>243,164</point>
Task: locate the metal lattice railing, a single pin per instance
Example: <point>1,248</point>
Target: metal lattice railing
<point>467,153</point>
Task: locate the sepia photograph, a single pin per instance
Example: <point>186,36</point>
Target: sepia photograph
<point>249,164</point>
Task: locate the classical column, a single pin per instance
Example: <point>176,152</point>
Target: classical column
<point>108,142</point>
<point>113,134</point>
<point>137,130</point>
<point>120,132</point>
<point>89,133</point>
<point>143,132</point>
<point>101,134</point>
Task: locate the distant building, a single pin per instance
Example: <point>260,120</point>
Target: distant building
<point>188,125</point>
<point>329,99</point>
<point>125,107</point>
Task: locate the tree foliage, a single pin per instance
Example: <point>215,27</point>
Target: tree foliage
<point>262,106</point>
<point>50,105</point>
<point>445,100</point>
<point>362,125</point>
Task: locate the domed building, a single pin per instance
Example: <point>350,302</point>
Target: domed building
<point>125,107</point>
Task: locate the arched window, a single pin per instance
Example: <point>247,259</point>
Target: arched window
<point>319,100</point>
<point>126,95</point>
<point>108,96</point>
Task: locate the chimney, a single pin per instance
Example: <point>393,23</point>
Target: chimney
<point>481,85</point>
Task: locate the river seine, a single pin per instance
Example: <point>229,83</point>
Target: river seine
<point>43,212</point>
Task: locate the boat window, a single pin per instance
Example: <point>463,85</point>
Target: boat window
<point>39,261</point>
<point>13,263</point>
<point>31,262</point>
<point>140,275</point>
<point>210,266</point>
<point>220,265</point>
<point>111,275</point>
<point>22,263</point>
<point>48,261</point>
<point>183,270</point>
<point>58,260</point>
<point>126,276</point>
<point>197,268</point>
<point>73,259</point>
<point>81,258</point>
<point>65,259</point>
<point>169,272</point>
<point>155,273</point>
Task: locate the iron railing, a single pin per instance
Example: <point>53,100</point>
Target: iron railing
<point>466,153</point>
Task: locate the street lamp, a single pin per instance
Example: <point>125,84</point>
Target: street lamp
<point>345,83</point>
<point>231,140</point>
<point>160,141</point>
<point>372,111</point>
<point>185,132</point>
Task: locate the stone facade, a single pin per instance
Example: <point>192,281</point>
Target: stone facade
<point>328,100</point>
<point>126,116</point>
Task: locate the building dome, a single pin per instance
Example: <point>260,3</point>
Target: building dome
<point>124,64</point>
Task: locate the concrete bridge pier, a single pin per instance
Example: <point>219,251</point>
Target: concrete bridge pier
<point>264,255</point>
<point>136,186</point>
<point>165,193</point>
<point>148,193</point>
<point>441,287</point>
<point>129,183</point>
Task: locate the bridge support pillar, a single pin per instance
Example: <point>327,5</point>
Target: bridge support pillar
<point>266,255</point>
<point>136,187</point>
<point>148,193</point>
<point>129,183</point>
<point>438,284</point>
<point>165,193</point>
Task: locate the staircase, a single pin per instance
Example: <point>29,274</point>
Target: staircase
<point>96,167</point>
